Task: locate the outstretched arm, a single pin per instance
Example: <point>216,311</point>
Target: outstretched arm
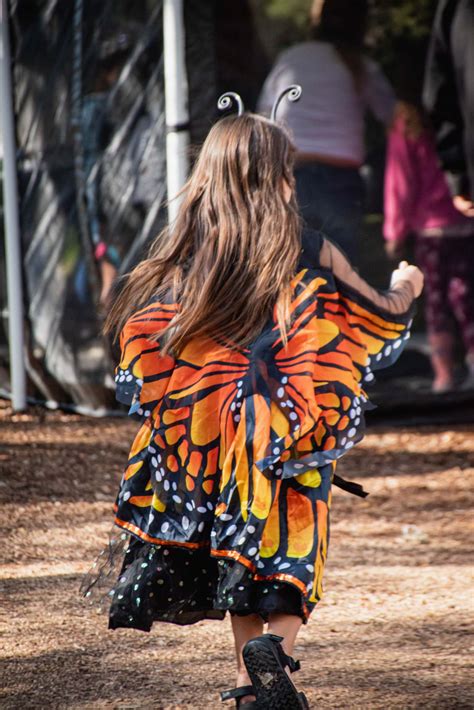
<point>406,283</point>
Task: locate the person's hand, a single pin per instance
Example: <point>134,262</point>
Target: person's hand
<point>411,273</point>
<point>393,250</point>
<point>464,205</point>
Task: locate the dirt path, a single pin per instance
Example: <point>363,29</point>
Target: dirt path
<point>391,632</point>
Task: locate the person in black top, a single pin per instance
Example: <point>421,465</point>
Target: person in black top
<point>448,96</point>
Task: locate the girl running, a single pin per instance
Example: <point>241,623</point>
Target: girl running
<point>245,345</point>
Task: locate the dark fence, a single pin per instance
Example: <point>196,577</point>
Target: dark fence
<point>89,103</point>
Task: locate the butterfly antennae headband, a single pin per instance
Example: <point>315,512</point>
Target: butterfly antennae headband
<point>230,97</point>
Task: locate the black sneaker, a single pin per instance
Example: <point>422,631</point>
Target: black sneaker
<point>265,661</point>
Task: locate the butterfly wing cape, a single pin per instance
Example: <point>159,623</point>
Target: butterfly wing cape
<point>224,428</point>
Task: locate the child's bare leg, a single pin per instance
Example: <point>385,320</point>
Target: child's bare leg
<point>286,625</point>
<point>442,360</point>
<point>245,628</point>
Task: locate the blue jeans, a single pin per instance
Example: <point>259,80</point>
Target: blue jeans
<point>331,199</point>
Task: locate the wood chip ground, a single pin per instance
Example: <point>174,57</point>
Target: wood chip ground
<point>393,630</point>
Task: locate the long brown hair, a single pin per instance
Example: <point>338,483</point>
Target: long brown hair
<point>411,119</point>
<point>234,247</point>
<point>343,23</point>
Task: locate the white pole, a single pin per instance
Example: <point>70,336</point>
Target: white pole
<point>176,103</point>
<point>11,221</point>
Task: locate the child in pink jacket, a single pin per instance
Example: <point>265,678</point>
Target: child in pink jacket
<point>417,201</point>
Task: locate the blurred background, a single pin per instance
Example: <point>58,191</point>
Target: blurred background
<point>89,112</point>
<point>89,153</point>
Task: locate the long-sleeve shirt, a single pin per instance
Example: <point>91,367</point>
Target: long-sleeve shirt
<point>417,198</point>
<point>329,118</point>
<point>448,93</point>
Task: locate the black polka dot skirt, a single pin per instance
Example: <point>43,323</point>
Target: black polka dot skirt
<point>141,581</point>
<point>173,584</point>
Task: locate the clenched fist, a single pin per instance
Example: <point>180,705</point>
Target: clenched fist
<point>408,272</point>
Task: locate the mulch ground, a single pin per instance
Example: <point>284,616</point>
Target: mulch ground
<point>393,630</point>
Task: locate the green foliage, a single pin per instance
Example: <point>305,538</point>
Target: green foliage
<point>399,24</point>
<point>294,10</point>
<point>410,19</point>
<point>284,22</point>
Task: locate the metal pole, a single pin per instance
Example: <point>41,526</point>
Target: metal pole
<point>11,221</point>
<point>176,103</point>
<point>79,177</point>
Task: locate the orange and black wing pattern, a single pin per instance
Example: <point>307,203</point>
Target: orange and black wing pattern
<point>238,445</point>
